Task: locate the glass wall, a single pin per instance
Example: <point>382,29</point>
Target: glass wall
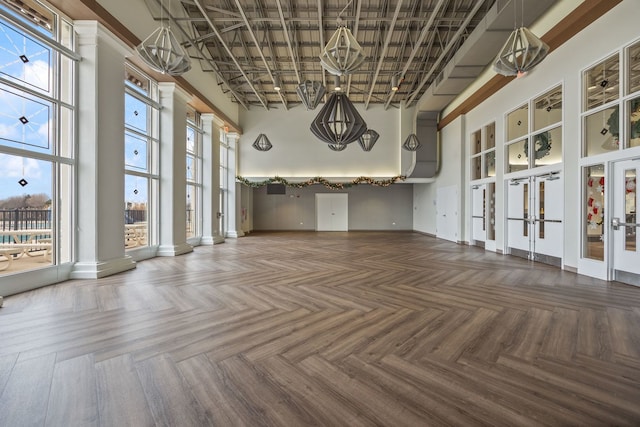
<point>37,138</point>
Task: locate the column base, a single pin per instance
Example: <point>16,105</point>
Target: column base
<point>212,240</point>
<point>174,250</point>
<point>234,234</point>
<point>99,269</point>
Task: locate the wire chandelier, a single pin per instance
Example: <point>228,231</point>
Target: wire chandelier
<point>338,122</point>
<point>342,54</point>
<point>162,51</point>
<point>522,51</point>
<point>310,93</point>
<point>368,139</point>
<point>262,143</point>
<point>412,143</point>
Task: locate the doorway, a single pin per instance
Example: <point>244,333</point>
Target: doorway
<point>534,218</point>
<point>332,213</point>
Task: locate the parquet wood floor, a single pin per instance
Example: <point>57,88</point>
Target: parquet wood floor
<point>329,329</point>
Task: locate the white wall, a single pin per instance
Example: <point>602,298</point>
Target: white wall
<point>370,208</point>
<point>615,29</point>
<point>451,174</point>
<point>297,152</point>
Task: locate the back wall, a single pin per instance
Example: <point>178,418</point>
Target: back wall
<point>370,208</point>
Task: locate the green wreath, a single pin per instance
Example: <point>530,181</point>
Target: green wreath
<point>542,145</point>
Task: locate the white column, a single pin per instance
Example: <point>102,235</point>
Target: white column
<point>211,180</point>
<point>100,159</point>
<point>173,171</point>
<point>234,208</point>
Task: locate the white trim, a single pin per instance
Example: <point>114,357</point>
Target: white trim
<point>98,269</point>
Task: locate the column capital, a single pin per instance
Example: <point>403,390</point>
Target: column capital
<point>172,88</point>
<point>91,32</point>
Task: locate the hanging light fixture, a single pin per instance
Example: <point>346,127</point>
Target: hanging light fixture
<point>162,51</point>
<point>342,54</point>
<point>338,122</point>
<point>337,147</point>
<point>262,143</point>
<point>310,93</point>
<point>277,86</point>
<point>368,139</point>
<point>522,51</point>
<point>412,143</point>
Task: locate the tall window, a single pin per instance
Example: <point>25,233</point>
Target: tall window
<point>194,175</point>
<point>37,114</point>
<point>141,158</point>
<point>539,121</point>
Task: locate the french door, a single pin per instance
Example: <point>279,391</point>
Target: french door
<point>625,223</point>
<point>534,218</point>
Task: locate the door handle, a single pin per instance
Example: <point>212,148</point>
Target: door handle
<point>616,224</point>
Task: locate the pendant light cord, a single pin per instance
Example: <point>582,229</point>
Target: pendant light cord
<point>339,18</point>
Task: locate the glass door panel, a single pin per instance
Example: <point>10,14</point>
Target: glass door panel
<point>478,209</point>
<point>624,222</point>
<point>593,213</point>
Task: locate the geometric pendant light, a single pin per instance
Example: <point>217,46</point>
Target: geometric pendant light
<point>262,143</point>
<point>310,93</point>
<point>337,147</point>
<point>522,51</point>
<point>338,122</point>
<point>162,52</point>
<point>342,54</point>
<point>412,143</point>
<point>368,139</point>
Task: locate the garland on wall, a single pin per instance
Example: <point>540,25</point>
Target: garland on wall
<point>323,181</point>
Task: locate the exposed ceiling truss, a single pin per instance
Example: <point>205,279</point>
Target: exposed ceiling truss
<point>249,44</point>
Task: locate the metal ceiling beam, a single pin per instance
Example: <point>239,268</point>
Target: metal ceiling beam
<point>212,63</point>
<point>286,34</point>
<point>356,27</point>
<point>453,41</point>
<point>257,45</point>
<point>384,51</point>
<point>423,34</point>
<point>224,44</point>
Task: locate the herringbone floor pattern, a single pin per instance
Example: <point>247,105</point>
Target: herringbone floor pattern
<point>331,329</point>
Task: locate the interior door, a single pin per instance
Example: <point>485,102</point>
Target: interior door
<point>518,221</point>
<point>547,219</point>
<point>332,212</point>
<point>447,213</point>
<point>478,213</point>
<point>625,222</point>
<point>534,218</point>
